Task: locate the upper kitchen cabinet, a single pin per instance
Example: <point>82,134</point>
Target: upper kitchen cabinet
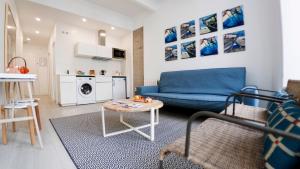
<point>93,51</point>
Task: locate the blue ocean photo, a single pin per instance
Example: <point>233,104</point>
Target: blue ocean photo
<point>209,46</point>
<point>208,24</point>
<point>234,42</point>
<point>233,17</point>
<point>187,29</point>
<point>171,53</point>
<point>170,35</point>
<point>188,50</point>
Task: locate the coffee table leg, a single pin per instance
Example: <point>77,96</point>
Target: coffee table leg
<point>103,121</point>
<point>157,116</point>
<point>152,123</point>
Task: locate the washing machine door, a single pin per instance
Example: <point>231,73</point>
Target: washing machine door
<point>85,89</point>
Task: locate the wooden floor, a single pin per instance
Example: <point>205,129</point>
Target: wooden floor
<point>20,154</point>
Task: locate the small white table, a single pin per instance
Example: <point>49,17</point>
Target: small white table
<point>153,107</point>
<point>27,78</point>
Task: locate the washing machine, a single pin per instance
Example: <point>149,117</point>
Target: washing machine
<point>86,89</point>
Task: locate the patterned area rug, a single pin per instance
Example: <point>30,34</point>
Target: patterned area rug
<point>82,137</point>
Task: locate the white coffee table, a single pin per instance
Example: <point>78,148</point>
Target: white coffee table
<point>118,106</point>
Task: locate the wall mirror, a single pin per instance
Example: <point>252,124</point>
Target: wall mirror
<point>10,36</point>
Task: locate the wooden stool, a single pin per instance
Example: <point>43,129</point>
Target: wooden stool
<point>37,112</point>
<point>30,122</point>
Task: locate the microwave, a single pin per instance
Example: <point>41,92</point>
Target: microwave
<point>118,53</point>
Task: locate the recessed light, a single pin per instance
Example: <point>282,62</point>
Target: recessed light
<point>83,20</point>
<point>102,34</point>
<point>112,28</point>
<point>28,39</point>
<point>38,19</point>
<point>37,32</point>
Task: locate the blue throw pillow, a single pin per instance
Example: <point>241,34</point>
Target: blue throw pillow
<point>272,106</point>
<point>280,152</point>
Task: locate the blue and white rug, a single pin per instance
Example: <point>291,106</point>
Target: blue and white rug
<point>82,137</point>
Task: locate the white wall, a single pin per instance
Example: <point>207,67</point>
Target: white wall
<point>37,59</point>
<point>263,39</point>
<point>64,51</point>
<point>290,28</point>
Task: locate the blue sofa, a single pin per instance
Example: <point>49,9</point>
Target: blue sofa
<point>203,89</point>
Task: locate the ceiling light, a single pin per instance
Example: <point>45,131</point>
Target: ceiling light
<point>38,19</point>
<point>10,27</point>
<point>83,20</point>
<point>102,34</point>
<point>37,32</point>
<point>28,39</point>
<point>112,28</point>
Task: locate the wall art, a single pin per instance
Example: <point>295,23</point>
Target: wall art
<point>170,35</point>
<point>234,42</point>
<point>187,29</point>
<point>209,46</point>
<point>208,24</point>
<point>233,17</point>
<point>171,53</point>
<point>188,50</point>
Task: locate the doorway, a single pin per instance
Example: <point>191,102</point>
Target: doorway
<point>138,57</point>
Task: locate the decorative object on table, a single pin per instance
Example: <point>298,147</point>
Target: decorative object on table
<point>188,50</point>
<point>187,29</point>
<point>79,72</point>
<point>11,68</point>
<point>170,35</point>
<point>68,72</point>
<point>209,46</point>
<point>171,53</point>
<point>92,72</point>
<point>102,72</point>
<point>234,42</point>
<point>233,17</point>
<point>142,99</point>
<point>208,24</point>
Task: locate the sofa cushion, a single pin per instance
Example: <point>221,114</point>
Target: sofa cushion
<point>222,81</point>
<point>214,103</point>
<point>286,118</point>
<point>202,97</point>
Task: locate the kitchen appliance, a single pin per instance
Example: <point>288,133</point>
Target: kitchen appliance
<point>119,87</point>
<point>86,89</point>
<point>118,53</point>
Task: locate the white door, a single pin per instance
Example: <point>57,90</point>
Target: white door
<point>119,88</point>
<point>37,62</point>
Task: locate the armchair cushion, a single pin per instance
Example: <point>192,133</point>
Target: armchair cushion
<point>285,118</point>
<point>272,106</point>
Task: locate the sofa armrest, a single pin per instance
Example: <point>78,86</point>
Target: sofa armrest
<point>234,121</point>
<point>250,101</point>
<point>141,90</point>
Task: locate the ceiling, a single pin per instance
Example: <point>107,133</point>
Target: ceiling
<point>130,8</point>
<point>28,11</point>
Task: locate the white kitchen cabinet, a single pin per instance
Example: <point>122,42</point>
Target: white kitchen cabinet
<point>119,87</point>
<point>93,51</point>
<point>67,90</point>
<point>103,88</point>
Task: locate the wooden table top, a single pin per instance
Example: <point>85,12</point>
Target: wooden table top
<point>119,105</point>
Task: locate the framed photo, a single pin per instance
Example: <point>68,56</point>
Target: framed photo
<point>170,35</point>
<point>187,29</point>
<point>209,46</point>
<point>171,53</point>
<point>233,17</point>
<point>208,24</point>
<point>188,50</point>
<point>234,42</point>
